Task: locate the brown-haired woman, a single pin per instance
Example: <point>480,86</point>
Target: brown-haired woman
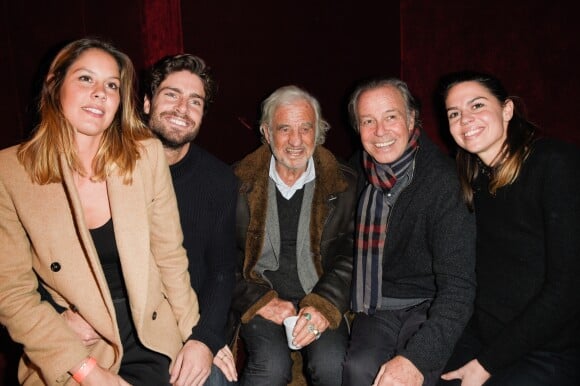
<point>525,193</point>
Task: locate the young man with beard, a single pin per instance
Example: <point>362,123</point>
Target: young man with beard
<point>178,91</point>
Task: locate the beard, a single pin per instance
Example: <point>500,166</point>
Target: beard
<point>170,137</point>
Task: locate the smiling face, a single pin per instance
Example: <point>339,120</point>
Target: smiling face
<point>176,111</point>
<point>292,138</point>
<point>89,95</point>
<point>383,124</point>
<point>478,121</point>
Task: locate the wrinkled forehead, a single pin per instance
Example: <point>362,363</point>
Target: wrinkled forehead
<point>298,110</point>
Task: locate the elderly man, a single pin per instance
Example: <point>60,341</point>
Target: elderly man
<point>414,280</point>
<point>295,221</point>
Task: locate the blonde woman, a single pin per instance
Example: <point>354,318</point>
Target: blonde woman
<point>88,212</point>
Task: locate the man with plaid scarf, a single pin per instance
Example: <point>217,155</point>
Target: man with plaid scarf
<point>413,280</point>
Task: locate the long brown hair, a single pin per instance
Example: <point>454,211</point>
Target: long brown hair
<point>54,135</point>
<point>516,148</point>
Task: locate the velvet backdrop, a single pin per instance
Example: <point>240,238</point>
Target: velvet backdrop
<point>32,32</point>
<point>323,46</point>
<point>160,30</point>
<point>532,46</point>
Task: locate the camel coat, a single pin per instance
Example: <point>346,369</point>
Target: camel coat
<point>43,236</point>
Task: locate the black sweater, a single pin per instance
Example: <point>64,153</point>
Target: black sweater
<point>206,191</point>
<point>528,258</point>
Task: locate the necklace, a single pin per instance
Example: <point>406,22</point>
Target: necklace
<point>485,170</point>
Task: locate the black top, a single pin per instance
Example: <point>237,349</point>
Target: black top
<point>104,240</point>
<point>206,191</point>
<point>528,258</point>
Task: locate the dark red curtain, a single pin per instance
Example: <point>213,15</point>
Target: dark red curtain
<point>531,46</point>
<point>161,29</point>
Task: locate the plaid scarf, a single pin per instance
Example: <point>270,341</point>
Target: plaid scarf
<point>371,228</point>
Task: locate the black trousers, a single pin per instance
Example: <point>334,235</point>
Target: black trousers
<point>536,368</point>
<point>139,366</point>
<point>377,338</point>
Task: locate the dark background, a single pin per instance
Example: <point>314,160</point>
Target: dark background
<point>257,46</point>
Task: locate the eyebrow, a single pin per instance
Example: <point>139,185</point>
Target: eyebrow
<point>391,111</point>
<point>468,102</point>
<point>388,111</point>
<point>74,71</point>
<point>83,69</point>
<point>304,124</point>
<point>177,90</point>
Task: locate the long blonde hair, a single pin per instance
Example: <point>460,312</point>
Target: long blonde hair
<point>54,135</point>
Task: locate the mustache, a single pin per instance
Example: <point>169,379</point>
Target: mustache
<point>184,117</point>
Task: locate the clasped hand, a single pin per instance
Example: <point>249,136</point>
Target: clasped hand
<point>309,326</point>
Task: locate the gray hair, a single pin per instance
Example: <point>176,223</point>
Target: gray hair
<point>289,94</point>
<point>412,105</point>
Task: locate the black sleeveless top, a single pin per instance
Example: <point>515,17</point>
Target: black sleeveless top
<point>104,240</point>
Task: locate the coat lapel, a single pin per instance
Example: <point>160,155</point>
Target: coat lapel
<point>130,222</point>
<point>104,301</point>
<point>272,223</point>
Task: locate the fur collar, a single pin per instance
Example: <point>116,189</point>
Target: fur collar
<point>253,172</point>
<point>254,168</point>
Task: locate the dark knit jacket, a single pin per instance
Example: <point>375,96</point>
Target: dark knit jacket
<point>331,230</point>
<point>430,253</point>
<point>528,258</point>
<point>206,191</point>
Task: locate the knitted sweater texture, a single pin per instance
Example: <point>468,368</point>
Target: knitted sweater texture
<point>528,258</point>
<point>206,191</point>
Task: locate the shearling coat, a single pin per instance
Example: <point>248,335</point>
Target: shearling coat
<point>43,235</point>
<point>331,235</point>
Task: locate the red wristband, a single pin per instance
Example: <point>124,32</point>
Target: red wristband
<point>84,370</point>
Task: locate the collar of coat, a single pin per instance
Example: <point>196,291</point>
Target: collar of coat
<point>253,172</point>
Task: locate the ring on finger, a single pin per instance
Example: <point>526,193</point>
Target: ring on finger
<point>314,331</point>
<point>307,316</point>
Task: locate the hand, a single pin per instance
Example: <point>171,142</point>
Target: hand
<point>81,327</point>
<point>398,371</point>
<point>276,310</point>
<point>224,359</point>
<point>305,330</point>
<point>99,376</point>
<point>471,374</point>
<point>192,365</point>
